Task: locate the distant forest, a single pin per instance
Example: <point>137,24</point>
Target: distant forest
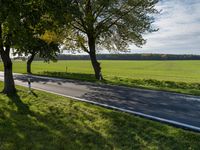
<point>125,57</point>
<point>131,57</point>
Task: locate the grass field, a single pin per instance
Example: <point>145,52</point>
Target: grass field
<point>45,121</point>
<point>178,76</point>
<point>187,71</point>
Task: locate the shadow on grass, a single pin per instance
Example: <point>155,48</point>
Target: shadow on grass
<point>33,93</point>
<point>27,122</point>
<point>52,122</point>
<point>65,75</point>
<point>21,107</point>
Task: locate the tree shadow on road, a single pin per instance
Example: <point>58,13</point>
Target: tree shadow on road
<point>59,78</point>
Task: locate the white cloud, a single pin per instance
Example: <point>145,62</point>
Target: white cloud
<point>179,29</point>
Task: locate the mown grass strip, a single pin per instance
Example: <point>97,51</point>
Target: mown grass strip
<point>40,120</point>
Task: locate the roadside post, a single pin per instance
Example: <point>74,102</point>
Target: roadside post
<point>29,84</point>
<point>66,69</point>
<point>100,76</point>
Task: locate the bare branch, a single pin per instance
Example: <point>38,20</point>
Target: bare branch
<point>103,22</point>
<point>98,12</point>
<point>1,40</point>
<point>81,44</point>
<point>78,28</point>
<point>84,47</point>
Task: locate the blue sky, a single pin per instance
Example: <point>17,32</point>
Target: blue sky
<point>179,29</point>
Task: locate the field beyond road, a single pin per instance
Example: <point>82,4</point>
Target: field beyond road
<point>187,71</point>
<point>178,76</point>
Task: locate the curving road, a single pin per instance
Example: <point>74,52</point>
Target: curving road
<point>178,109</point>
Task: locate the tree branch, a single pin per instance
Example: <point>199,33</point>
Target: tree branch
<point>84,48</point>
<point>115,21</point>
<point>83,24</point>
<point>81,44</point>
<point>98,12</point>
<point>78,28</point>
<point>1,40</point>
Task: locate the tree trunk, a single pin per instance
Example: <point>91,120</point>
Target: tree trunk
<point>95,63</point>
<point>96,66</point>
<point>9,85</point>
<point>29,62</point>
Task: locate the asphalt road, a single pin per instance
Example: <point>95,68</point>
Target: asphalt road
<point>183,109</point>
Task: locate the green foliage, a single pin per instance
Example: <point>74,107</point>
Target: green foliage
<point>39,120</point>
<point>16,16</point>
<point>45,49</point>
<point>37,23</point>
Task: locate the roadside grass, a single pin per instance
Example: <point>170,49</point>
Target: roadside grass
<point>174,76</point>
<point>172,86</point>
<point>40,120</point>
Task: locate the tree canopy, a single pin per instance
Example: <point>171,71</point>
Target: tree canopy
<point>81,25</point>
<point>22,21</point>
<point>112,25</point>
<point>11,18</point>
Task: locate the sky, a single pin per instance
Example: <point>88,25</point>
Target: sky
<point>179,29</point>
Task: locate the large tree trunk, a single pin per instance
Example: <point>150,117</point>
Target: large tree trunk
<point>96,66</point>
<point>95,63</point>
<point>29,62</point>
<point>9,85</point>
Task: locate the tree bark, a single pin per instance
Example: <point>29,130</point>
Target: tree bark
<point>29,62</point>
<point>9,85</point>
<point>96,65</point>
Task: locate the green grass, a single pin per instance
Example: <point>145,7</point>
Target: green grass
<point>46,121</point>
<point>177,76</point>
<point>187,71</point>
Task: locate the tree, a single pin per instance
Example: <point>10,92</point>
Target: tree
<point>39,36</point>
<point>46,46</point>
<point>16,18</point>
<point>9,24</point>
<point>43,38</point>
<point>110,25</point>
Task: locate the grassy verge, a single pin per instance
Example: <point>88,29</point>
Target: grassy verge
<point>175,76</point>
<point>172,86</point>
<point>45,121</point>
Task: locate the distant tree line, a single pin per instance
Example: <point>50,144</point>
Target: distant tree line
<point>125,57</point>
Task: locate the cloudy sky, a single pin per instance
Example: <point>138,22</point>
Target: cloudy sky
<point>179,29</point>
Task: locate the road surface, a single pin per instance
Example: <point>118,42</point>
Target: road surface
<point>178,109</point>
